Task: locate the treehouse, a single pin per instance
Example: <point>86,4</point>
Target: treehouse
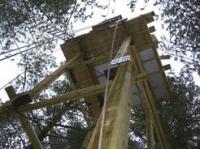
<point>113,68</point>
<point>130,40</point>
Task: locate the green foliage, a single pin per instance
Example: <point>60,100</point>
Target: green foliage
<point>17,14</point>
<point>71,138</point>
<point>182,20</point>
<point>12,135</point>
<point>36,64</point>
<point>131,4</point>
<point>179,114</point>
<point>39,25</point>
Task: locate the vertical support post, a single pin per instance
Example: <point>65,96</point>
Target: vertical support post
<point>148,98</point>
<point>26,125</point>
<point>150,133</point>
<point>117,112</point>
<point>93,134</point>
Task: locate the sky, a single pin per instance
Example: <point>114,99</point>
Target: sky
<point>9,69</point>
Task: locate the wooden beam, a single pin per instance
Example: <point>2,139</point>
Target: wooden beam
<point>117,112</point>
<point>150,134</point>
<point>148,97</point>
<point>163,57</point>
<point>152,29</point>
<point>10,92</point>
<point>167,67</point>
<point>124,46</point>
<point>154,115</point>
<point>121,52</point>
<point>73,95</point>
<point>7,109</point>
<point>91,141</point>
<point>26,125</point>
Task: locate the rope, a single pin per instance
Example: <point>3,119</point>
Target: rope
<point>106,90</point>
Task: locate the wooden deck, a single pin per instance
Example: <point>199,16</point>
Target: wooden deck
<point>98,43</point>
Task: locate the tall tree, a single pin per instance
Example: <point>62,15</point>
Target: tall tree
<point>31,29</point>
<point>179,113</point>
<point>182,20</point>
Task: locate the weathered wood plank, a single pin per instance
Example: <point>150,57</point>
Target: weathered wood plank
<point>117,119</point>
<point>117,112</point>
<point>73,95</point>
<point>148,97</point>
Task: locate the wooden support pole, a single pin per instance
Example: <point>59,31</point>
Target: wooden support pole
<point>117,112</point>
<point>73,95</point>
<point>91,140</point>
<point>26,125</point>
<point>7,109</point>
<point>153,114</point>
<point>68,65</point>
<point>122,51</point>
<point>148,98</point>
<point>150,134</point>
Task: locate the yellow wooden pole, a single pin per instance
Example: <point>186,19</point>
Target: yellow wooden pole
<point>26,125</point>
<point>117,112</point>
<point>150,133</point>
<point>148,98</point>
<point>73,95</point>
<point>7,109</point>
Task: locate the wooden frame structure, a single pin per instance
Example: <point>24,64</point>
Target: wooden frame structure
<point>88,54</point>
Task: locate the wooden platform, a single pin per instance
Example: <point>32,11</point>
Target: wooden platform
<point>97,43</point>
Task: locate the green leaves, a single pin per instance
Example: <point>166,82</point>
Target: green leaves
<point>182,19</point>
<point>179,112</point>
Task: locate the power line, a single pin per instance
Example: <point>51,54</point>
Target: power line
<point>10,81</point>
<point>40,22</point>
<point>4,53</point>
<point>47,24</point>
<point>16,49</point>
<point>7,57</point>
